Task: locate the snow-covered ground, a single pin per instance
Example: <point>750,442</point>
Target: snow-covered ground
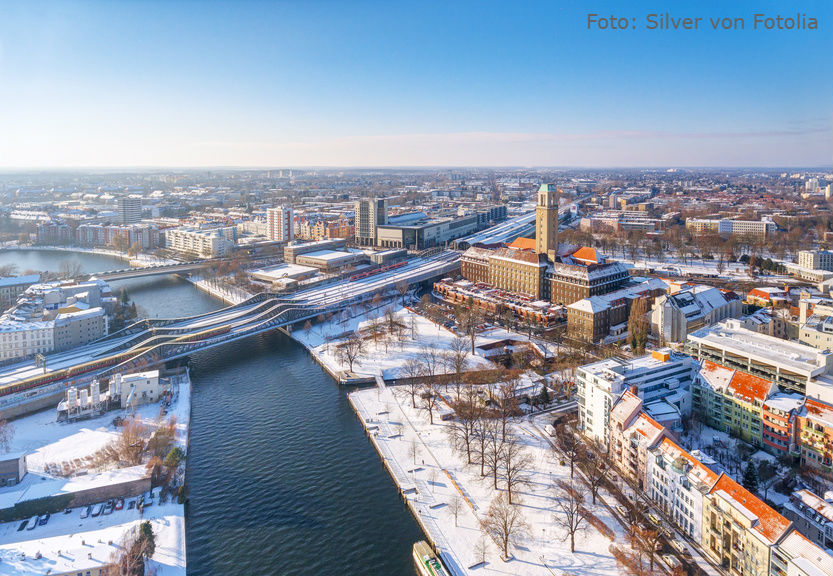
<point>67,539</point>
<point>420,333</point>
<point>675,265</point>
<point>229,294</point>
<point>436,473</point>
<point>48,444</point>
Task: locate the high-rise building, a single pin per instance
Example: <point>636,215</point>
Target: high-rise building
<point>546,221</point>
<point>280,223</point>
<point>370,213</point>
<point>130,210</point>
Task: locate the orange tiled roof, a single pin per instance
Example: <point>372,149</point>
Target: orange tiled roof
<point>523,243</point>
<point>771,525</point>
<point>587,254</point>
<point>749,387</point>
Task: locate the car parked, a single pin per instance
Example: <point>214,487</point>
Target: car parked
<point>623,511</point>
<point>99,508</point>
<point>119,504</point>
<point>22,525</point>
<point>85,512</point>
<point>131,505</point>
<point>672,561</point>
<point>33,523</point>
<point>108,508</point>
<point>68,511</point>
<point>44,519</point>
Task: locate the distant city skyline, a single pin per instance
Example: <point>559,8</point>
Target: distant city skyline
<point>373,84</point>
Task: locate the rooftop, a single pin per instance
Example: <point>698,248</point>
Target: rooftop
<point>767,522</point>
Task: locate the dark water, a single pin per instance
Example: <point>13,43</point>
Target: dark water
<point>281,478</point>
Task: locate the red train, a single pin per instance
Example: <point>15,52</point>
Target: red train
<point>361,275</point>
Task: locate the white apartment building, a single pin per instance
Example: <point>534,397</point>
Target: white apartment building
<point>280,224</point>
<point>816,259</point>
<point>211,243</point>
<point>662,376</point>
<point>21,339</point>
<point>677,482</point>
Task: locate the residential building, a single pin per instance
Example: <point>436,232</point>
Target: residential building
<point>739,531</point>
<point>816,259</point>
<point>779,417</point>
<point>74,329</point>
<point>200,243</point>
<point>814,436</point>
<point>796,555</point>
<point>22,339</point>
<point>370,213</point>
<point>12,287</point>
<point>280,223</point>
<point>660,376</point>
<point>812,515</point>
<point>675,316</point>
<point>546,222</point>
<point>130,209</point>
<point>731,401</point>
<point>769,296</point>
<point>789,364</point>
<point>632,433</point>
<point>678,483</point>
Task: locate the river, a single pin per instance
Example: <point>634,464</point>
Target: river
<point>281,478</point>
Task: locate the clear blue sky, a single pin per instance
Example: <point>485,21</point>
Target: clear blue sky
<point>396,83</point>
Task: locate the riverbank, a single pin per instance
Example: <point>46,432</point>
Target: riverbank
<point>228,295</point>
<point>137,260</point>
<point>433,478</point>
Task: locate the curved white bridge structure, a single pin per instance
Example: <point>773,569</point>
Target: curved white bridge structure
<point>151,342</point>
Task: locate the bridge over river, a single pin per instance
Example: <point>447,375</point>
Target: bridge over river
<point>25,386</point>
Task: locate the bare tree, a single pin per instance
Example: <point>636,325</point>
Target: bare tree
<point>516,462</point>
<point>455,504</point>
<point>430,400</point>
<point>481,548</point>
<point>569,511</point>
<point>508,401</point>
<point>645,542</point>
<point>504,523</point>
<point>457,358</point>
<point>430,361</point>
<point>595,472</point>
<point>6,434</point>
<point>467,410</point>
<point>351,349</point>
<point>493,455</point>
<point>131,441</point>
<point>402,287</point>
<point>571,448</point>
<point>413,450</point>
<point>412,370</point>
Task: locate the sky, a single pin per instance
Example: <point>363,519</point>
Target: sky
<point>410,83</point>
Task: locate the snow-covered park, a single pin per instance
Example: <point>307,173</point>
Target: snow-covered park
<point>436,480</point>
<point>389,352</point>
